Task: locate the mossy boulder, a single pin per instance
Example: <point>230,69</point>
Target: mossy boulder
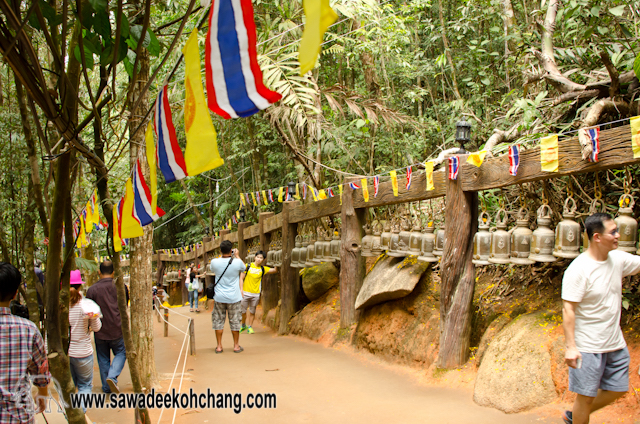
<point>317,280</point>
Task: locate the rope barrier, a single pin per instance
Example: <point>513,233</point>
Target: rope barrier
<point>168,323</point>
<point>173,376</point>
<point>184,365</point>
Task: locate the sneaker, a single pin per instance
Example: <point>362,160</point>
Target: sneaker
<point>250,330</point>
<point>243,328</point>
<point>567,416</point>
<point>113,385</point>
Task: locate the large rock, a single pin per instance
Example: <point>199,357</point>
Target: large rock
<point>317,280</point>
<point>390,278</point>
<point>515,373</point>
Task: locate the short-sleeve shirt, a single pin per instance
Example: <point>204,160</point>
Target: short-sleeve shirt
<point>596,287</point>
<point>105,294</point>
<point>253,279</point>
<point>227,287</point>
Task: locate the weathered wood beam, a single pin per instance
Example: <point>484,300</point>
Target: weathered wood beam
<point>252,232</point>
<point>270,293</point>
<point>242,246</point>
<point>290,278</point>
<point>615,152</point>
<point>273,223</point>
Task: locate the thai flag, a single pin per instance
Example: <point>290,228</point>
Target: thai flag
<point>142,211</point>
<point>330,191</point>
<point>271,195</point>
<point>408,186</point>
<point>304,191</point>
<point>376,185</point>
<point>514,159</point>
<point>234,79</point>
<point>246,195</point>
<point>233,218</point>
<point>354,186</point>
<point>168,154</point>
<point>258,198</point>
<point>454,164</point>
<point>594,136</point>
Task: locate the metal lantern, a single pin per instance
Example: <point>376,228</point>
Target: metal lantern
<point>366,241</point>
<point>463,134</point>
<point>310,251</point>
<point>335,246</point>
<point>568,233</point>
<point>295,253</point>
<point>438,249</point>
<point>291,190</point>
<point>482,241</point>
<point>415,239</point>
<point>500,240</point>
<point>521,240</point>
<point>543,237</point>
<point>318,250</point>
<point>393,242</point>
<point>376,249</point>
<point>627,225</point>
<point>385,237</point>
<point>427,243</point>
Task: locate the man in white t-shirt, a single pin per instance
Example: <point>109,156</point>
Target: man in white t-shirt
<point>592,295</point>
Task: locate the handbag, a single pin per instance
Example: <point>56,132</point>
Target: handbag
<point>211,289</point>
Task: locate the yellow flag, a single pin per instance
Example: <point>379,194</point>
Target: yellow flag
<point>238,215</point>
<point>394,182</point>
<point>635,136</point>
<point>117,242</point>
<point>201,153</point>
<point>428,169</point>
<point>365,189</point>
<point>313,193</point>
<point>253,196</point>
<point>82,237</point>
<point>280,194</point>
<point>340,190</point>
<point>153,168</point>
<point>88,227</point>
<point>549,153</point>
<point>130,227</point>
<point>297,195</point>
<point>230,224</point>
<point>95,208</point>
<point>264,196</point>
<point>242,201</point>
<point>322,195</point>
<point>477,158</point>
<point>319,16</point>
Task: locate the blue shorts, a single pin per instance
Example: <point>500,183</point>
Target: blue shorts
<point>606,371</point>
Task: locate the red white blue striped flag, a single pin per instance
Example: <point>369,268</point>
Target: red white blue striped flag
<point>168,153</point>
<point>271,195</point>
<point>454,164</point>
<point>408,186</point>
<point>304,191</point>
<point>330,190</point>
<point>234,79</point>
<point>593,136</point>
<point>142,199</point>
<point>376,184</point>
<point>514,159</point>
<point>354,186</point>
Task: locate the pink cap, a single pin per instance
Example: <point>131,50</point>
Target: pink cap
<point>76,278</point>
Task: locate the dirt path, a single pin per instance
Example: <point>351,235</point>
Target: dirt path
<point>313,384</point>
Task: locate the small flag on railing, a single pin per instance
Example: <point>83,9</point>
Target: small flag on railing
<point>428,170</point>
<point>514,159</point>
<point>280,193</point>
<point>271,195</point>
<point>304,191</point>
<point>477,158</point>
<point>314,193</point>
<point>591,136</point>
<point>454,164</point>
<point>408,186</point>
<point>297,195</point>
<point>340,190</point>
<point>242,201</point>
<point>365,190</point>
<point>330,191</point>
<point>394,182</point>
<point>253,196</point>
<point>264,197</point>
<point>322,195</point>
<point>635,136</point>
<point>549,153</point>
<point>376,185</point>
<point>354,186</point>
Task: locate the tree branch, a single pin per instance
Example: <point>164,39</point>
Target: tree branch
<point>613,73</point>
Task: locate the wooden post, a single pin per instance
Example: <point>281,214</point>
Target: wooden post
<point>157,300</point>
<point>270,293</point>
<point>290,278</point>
<point>166,322</point>
<point>352,264</point>
<point>192,338</point>
<point>457,275</point>
<point>242,246</point>
<point>160,279</point>
<point>223,233</point>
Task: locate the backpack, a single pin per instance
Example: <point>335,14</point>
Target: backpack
<point>211,288</point>
<point>249,266</point>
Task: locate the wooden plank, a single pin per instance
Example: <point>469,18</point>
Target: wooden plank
<point>242,246</point>
<point>290,290</point>
<point>615,152</point>
<point>314,210</point>
<point>273,223</point>
<point>270,293</point>
<point>252,232</point>
<point>232,237</point>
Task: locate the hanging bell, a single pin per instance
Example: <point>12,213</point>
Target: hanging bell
<point>385,237</point>
<point>394,241</point>
<point>543,237</point>
<point>521,239</point>
<point>310,251</point>
<point>405,235</point>
<point>270,255</point>
<point>295,253</point>
<point>568,233</point>
<point>326,251</point>
<point>427,243</point>
<point>415,239</point>
<point>376,249</point>
<point>438,249</point>
<point>500,240</point>
<point>303,252</point>
<point>335,246</point>
<point>482,241</point>
<point>318,251</point>
<point>627,225</point>
<point>366,241</point>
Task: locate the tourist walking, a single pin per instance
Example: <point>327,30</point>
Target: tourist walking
<point>596,351</point>
<point>251,287</point>
<point>22,353</point>
<point>109,339</point>
<point>193,286</point>
<point>82,322</point>
<point>228,294</point>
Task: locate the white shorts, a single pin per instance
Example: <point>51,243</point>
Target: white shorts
<point>250,300</point>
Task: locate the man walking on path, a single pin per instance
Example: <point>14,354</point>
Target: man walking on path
<point>251,287</point>
<point>228,271</point>
<point>592,294</point>
<point>109,338</point>
<point>22,352</point>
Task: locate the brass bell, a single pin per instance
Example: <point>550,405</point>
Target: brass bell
<point>303,252</point>
<point>415,239</point>
<point>318,251</point>
<point>405,235</point>
<point>627,225</point>
<point>438,248</point>
<point>327,248</point>
<point>385,237</point>
<point>270,255</point>
<point>335,246</point>
<point>367,241</point>
<point>394,241</point>
<point>376,250</point>
<point>310,251</point>
<point>543,237</point>
<point>521,240</point>
<point>568,233</point>
<point>482,241</point>
<point>500,240</point>
<point>295,253</point>
<point>427,243</point>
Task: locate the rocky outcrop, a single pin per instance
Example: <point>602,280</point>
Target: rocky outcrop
<point>320,319</point>
<point>515,373</point>
<point>317,280</point>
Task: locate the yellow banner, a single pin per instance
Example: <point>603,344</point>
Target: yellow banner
<point>319,16</point>
<point>428,169</point>
<point>242,201</point>
<point>394,182</point>
<point>82,237</point>
<point>322,195</point>
<point>549,153</point>
<point>130,227</point>
<point>117,241</point>
<point>264,196</point>
<point>280,194</point>
<point>238,215</point>
<point>253,196</point>
<point>477,158</point>
<point>365,189</point>
<point>201,153</point>
<point>297,195</point>
<point>340,189</point>
<point>313,193</point>
<point>635,136</point>
<point>151,160</point>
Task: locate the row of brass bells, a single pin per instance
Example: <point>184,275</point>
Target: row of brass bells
<point>521,237</point>
<point>173,276</point>
<point>543,237</point>
<point>568,233</point>
<point>367,241</point>
<point>394,241</point>
<point>385,237</point>
<point>438,249</point>
<point>482,241</point>
<point>627,225</point>
<point>500,240</point>
<point>336,243</point>
<point>427,243</point>
<point>295,253</point>
<point>415,239</point>
<point>310,253</point>
<point>269,257</point>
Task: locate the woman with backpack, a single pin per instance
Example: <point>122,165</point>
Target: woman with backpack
<point>251,288</point>
<point>193,286</point>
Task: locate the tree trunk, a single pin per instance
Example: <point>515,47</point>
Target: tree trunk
<point>290,288</point>
<point>447,51</point>
<point>28,249</point>
<point>368,65</point>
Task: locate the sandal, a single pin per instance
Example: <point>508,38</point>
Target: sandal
<point>239,350</point>
<point>219,351</point>
<point>197,310</point>
<point>190,310</point>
